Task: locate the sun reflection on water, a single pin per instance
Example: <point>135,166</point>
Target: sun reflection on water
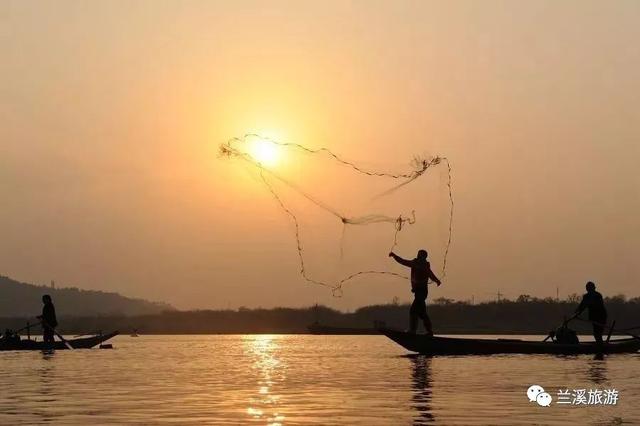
<point>269,371</point>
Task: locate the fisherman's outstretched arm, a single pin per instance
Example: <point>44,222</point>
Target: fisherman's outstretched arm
<point>581,307</point>
<point>434,278</point>
<point>400,260</point>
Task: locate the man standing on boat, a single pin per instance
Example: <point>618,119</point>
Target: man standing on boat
<point>592,300</point>
<point>48,318</point>
<point>420,275</point>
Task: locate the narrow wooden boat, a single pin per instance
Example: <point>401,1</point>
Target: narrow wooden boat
<point>462,346</point>
<point>32,345</point>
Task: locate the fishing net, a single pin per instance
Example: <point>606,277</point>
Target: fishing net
<point>346,215</point>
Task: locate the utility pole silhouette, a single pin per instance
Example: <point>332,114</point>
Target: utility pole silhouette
<point>498,295</point>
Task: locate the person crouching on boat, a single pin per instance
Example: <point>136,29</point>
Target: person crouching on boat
<point>420,275</point>
<point>592,300</point>
<point>48,318</point>
<point>11,336</point>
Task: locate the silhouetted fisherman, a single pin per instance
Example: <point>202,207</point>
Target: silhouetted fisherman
<point>420,275</point>
<point>11,336</point>
<point>48,318</point>
<point>592,300</point>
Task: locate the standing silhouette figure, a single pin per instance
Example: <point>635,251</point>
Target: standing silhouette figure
<point>593,302</point>
<point>49,320</point>
<point>421,273</point>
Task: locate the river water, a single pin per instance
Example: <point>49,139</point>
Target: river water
<point>304,379</point>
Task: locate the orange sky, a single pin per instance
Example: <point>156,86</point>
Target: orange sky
<point>111,115</point>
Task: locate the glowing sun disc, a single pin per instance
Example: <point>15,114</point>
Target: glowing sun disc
<point>265,152</point>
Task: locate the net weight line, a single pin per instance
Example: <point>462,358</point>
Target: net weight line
<point>421,165</point>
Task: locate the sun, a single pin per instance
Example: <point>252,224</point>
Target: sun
<point>265,152</point>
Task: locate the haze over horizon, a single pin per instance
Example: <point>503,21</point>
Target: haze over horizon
<point>112,114</point>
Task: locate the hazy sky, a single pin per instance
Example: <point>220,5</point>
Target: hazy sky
<point>111,114</point>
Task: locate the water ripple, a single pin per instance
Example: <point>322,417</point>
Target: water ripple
<point>289,379</point>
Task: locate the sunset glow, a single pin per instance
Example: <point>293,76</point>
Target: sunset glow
<point>265,152</point>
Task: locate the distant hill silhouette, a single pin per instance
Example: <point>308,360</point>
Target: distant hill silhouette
<point>24,300</point>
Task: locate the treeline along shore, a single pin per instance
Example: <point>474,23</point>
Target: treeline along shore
<point>525,315</point>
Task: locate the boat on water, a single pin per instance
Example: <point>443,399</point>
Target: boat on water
<point>32,345</point>
<point>435,345</point>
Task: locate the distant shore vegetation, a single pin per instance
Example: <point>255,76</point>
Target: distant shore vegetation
<point>523,315</point>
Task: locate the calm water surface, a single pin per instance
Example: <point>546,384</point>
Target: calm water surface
<point>301,379</point>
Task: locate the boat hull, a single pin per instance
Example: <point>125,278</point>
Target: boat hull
<point>461,346</point>
<point>32,345</point>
